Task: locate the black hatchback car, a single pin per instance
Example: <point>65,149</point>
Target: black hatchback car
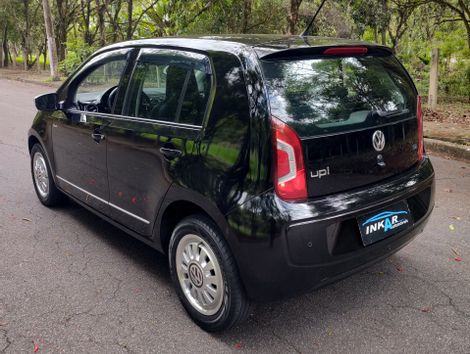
<point>263,166</point>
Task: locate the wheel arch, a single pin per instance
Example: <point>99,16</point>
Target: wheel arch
<point>32,140</point>
<point>180,203</point>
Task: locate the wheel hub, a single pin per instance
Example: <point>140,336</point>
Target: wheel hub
<point>199,274</point>
<point>195,274</point>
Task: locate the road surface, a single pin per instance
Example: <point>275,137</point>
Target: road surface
<point>71,283</point>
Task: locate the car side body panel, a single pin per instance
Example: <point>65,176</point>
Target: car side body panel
<point>226,173</point>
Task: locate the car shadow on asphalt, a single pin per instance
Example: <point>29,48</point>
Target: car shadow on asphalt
<point>276,320</point>
<point>144,256</point>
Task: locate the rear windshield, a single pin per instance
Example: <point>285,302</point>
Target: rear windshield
<point>327,95</point>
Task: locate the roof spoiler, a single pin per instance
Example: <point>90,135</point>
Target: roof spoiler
<point>338,50</point>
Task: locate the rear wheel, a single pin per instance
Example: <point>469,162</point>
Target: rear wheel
<point>44,185</point>
<point>205,275</point>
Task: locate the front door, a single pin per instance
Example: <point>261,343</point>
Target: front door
<point>78,132</point>
<point>157,133</point>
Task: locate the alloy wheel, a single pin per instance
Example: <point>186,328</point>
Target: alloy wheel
<point>41,177</point>
<point>199,274</point>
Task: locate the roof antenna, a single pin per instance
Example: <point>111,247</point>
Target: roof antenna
<point>305,33</point>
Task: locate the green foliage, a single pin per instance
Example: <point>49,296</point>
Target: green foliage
<point>77,52</point>
<point>412,27</point>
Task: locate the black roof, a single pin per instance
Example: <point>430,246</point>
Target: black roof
<point>264,44</point>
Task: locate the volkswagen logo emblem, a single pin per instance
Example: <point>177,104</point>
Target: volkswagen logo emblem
<point>378,140</point>
<point>195,274</point>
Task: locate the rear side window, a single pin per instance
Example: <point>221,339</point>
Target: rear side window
<point>170,85</point>
<point>326,95</point>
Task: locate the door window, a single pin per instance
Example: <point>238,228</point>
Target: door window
<point>97,88</point>
<point>168,85</point>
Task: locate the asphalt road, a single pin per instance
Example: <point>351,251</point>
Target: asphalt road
<point>70,282</point>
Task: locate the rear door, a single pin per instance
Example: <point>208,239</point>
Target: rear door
<point>157,134</point>
<point>78,132</point>
<point>355,115</point>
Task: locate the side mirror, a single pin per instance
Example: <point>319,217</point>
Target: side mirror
<point>47,102</point>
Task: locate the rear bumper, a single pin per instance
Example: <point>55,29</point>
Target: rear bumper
<point>283,249</point>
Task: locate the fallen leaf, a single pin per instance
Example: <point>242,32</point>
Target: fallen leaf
<point>237,345</point>
<point>451,227</point>
<point>26,219</point>
<point>425,309</point>
<point>458,259</point>
<point>36,348</point>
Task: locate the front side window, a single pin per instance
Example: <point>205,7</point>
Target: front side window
<point>169,85</point>
<point>97,88</point>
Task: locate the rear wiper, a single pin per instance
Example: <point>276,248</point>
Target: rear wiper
<point>383,114</point>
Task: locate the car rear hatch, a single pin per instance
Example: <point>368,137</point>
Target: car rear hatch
<point>354,109</point>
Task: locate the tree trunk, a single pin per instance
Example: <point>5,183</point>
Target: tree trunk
<point>433,79</point>
<point>86,15</point>
<point>5,46</point>
<point>51,44</point>
<point>38,61</point>
<point>25,58</point>
<point>293,17</point>
<point>25,34</point>
<point>383,26</point>
<point>246,15</point>
<point>14,56</point>
<point>467,28</point>
<point>384,36</point>
<point>45,55</point>
<point>60,29</point>
<point>100,11</point>
<point>130,9</point>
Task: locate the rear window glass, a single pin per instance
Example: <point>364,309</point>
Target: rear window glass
<point>325,95</point>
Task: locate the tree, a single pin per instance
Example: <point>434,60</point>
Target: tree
<point>293,16</point>
<point>51,43</point>
<point>4,48</point>
<point>400,15</point>
<point>66,12</point>
<point>461,8</point>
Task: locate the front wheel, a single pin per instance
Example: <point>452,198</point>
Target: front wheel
<point>43,181</point>
<point>205,275</point>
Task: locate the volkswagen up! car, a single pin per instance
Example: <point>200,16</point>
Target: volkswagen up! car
<point>263,166</point>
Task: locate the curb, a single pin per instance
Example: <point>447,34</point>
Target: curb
<point>456,151</point>
<point>34,82</point>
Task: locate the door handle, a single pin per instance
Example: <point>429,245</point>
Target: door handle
<point>170,153</point>
<point>97,136</point>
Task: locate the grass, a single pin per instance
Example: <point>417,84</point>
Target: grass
<point>20,60</point>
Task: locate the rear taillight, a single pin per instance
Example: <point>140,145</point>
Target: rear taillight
<point>289,172</point>
<point>419,116</point>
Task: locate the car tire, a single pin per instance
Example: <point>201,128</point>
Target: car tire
<point>205,275</point>
<point>43,182</point>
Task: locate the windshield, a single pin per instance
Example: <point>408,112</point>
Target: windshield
<point>325,95</point>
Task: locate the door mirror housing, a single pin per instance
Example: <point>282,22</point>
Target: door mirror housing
<point>48,102</point>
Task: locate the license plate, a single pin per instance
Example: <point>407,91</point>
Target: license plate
<point>385,222</point>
